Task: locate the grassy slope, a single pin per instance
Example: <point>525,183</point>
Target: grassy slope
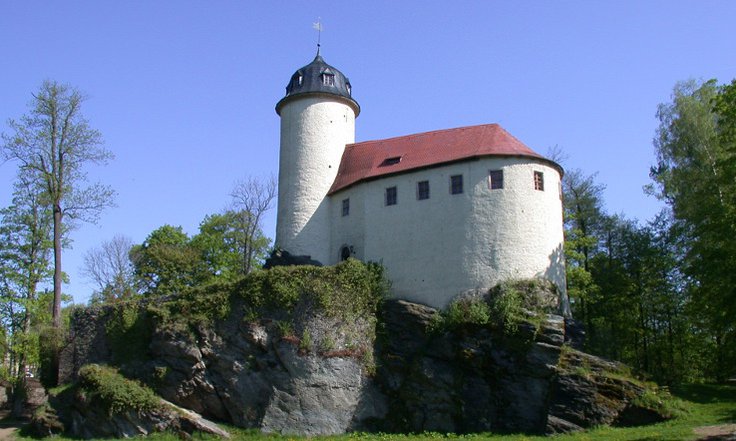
<point>707,404</point>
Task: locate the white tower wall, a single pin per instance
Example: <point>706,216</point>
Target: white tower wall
<point>314,132</point>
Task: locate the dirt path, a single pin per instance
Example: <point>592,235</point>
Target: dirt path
<point>6,433</point>
<point>722,432</point>
<point>7,428</point>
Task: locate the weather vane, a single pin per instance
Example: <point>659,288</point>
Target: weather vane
<point>318,26</point>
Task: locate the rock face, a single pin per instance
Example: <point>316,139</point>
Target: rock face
<point>253,374</point>
<point>475,379</point>
<point>249,373</point>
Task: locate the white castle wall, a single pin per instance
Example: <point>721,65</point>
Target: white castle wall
<point>438,248</point>
<point>314,132</point>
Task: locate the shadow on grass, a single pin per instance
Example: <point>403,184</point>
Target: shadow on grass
<point>706,393</point>
<point>719,398</point>
<point>657,438</point>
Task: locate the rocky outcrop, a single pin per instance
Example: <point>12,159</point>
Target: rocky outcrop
<point>307,375</point>
<point>105,404</point>
<point>90,421</point>
<point>315,374</point>
<point>477,379</point>
<point>250,374</point>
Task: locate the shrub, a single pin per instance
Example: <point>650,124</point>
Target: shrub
<point>115,393</point>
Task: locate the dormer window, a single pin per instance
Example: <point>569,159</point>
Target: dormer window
<point>391,161</point>
<point>328,79</point>
<point>350,89</point>
<point>299,80</point>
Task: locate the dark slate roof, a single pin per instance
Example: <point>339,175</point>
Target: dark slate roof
<point>310,80</point>
<point>370,160</point>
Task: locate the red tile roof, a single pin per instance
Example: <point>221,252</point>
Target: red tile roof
<point>372,159</point>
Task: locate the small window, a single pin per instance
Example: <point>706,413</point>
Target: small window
<point>496,179</point>
<point>299,80</point>
<point>345,207</point>
<point>456,184</point>
<point>391,196</point>
<point>539,181</point>
<point>350,89</point>
<point>422,190</point>
<point>391,161</point>
<point>328,79</point>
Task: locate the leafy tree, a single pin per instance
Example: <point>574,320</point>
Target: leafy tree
<point>225,239</point>
<point>53,143</point>
<point>25,250</point>
<point>695,175</point>
<point>166,262</point>
<point>583,200</point>
<point>110,268</point>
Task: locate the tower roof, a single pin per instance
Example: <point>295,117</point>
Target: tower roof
<point>370,160</point>
<point>319,78</point>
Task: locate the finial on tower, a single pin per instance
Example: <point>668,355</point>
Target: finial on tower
<point>318,26</point>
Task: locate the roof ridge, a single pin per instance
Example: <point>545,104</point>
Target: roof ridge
<point>431,132</point>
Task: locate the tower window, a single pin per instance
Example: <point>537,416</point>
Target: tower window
<point>350,89</point>
<point>496,179</point>
<point>299,80</point>
<point>345,207</point>
<point>539,181</point>
<point>391,197</point>
<point>456,184</point>
<point>328,79</point>
<point>422,190</point>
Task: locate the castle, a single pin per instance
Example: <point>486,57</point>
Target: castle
<point>446,212</point>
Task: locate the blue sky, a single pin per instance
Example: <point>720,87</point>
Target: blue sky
<point>184,91</point>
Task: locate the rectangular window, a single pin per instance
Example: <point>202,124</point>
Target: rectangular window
<point>345,207</point>
<point>456,184</point>
<point>328,79</point>
<point>539,181</point>
<point>422,190</point>
<point>496,179</point>
<point>391,196</point>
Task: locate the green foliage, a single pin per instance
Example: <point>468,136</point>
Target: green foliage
<point>25,252</point>
<point>468,310</point>
<point>504,307</point>
<point>285,328</point>
<point>305,343</point>
<point>116,394</point>
<point>327,344</point>
<point>347,290</point>
<point>507,305</point>
<point>128,331</point>
<point>662,402</point>
<point>50,343</point>
<point>695,174</point>
<point>167,263</point>
<point>196,306</point>
<point>224,240</point>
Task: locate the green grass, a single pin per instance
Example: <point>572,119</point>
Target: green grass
<point>707,405</point>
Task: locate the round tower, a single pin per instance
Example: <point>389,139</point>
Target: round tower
<point>317,121</point>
